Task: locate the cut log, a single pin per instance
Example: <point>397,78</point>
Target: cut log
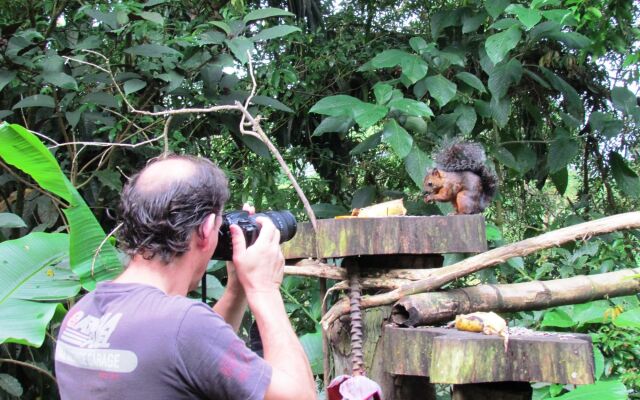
<point>452,356</point>
<point>434,307</point>
<point>499,255</point>
<point>389,235</point>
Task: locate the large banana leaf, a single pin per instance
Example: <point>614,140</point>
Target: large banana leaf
<point>23,150</point>
<point>33,268</point>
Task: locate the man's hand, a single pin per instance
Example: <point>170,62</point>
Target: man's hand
<point>260,267</point>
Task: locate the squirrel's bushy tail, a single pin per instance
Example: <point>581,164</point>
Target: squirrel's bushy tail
<point>458,155</point>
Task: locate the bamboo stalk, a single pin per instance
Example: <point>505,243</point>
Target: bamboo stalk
<point>434,307</point>
<point>499,255</point>
<point>329,271</point>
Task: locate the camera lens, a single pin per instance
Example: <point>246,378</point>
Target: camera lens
<point>284,221</point>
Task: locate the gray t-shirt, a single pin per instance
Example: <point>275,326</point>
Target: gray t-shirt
<point>132,341</point>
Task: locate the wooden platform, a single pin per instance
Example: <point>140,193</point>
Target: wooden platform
<point>389,235</point>
<point>452,356</point>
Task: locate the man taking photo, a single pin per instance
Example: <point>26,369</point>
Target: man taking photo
<point>139,337</point>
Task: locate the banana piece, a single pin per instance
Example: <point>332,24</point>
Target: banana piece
<point>488,323</point>
<point>386,209</point>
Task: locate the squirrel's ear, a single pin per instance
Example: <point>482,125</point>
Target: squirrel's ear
<point>435,172</point>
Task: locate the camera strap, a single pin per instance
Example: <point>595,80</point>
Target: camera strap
<point>204,288</point>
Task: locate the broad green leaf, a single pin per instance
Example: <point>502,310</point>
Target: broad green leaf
<point>133,85</point>
<point>6,77</point>
<point>335,106</point>
<point>11,385</point>
<point>383,92</point>
<point>573,101</point>
<point>466,118</point>
<point>4,114</point>
<point>366,114</point>
<point>90,42</point>
<point>257,146</point>
<point>61,80</point>
<point>37,100</point>
<point>605,124</point>
<point>241,47</point>
<point>626,179</point>
<point>411,107</point>
<point>274,32</point>
<point>416,124</point>
<point>152,50</point>
<point>174,80</point>
<point>623,99</point>
<point>443,19</point>
<point>557,318</point>
<point>24,151</point>
<point>503,76</point>
<point>339,124</point>
<point>416,164</point>
<point>110,19</point>
<point>211,37</point>
<point>222,25</point>
<point>25,322</point>
<point>504,23</point>
<point>369,143</point>
<point>397,137</point>
<point>628,319</point>
<point>472,81</point>
<point>9,220</point>
<point>101,98</point>
<point>326,210</point>
<point>499,44</point>
<point>572,40</point>
<point>527,16</point>
<point>598,363</point>
<point>562,151</point>
<point>537,78</point>
<point>215,290</point>
<point>560,180</point>
<point>413,67</point>
<point>363,197</point>
<point>601,390</point>
<point>21,262</point>
<point>312,345</point>
<point>440,88</point>
<point>266,13</point>
<point>152,16</point>
<point>472,20</point>
<point>495,7</point>
<point>563,17</point>
<point>592,312</point>
<point>500,110</point>
<point>418,44</point>
<point>271,102</point>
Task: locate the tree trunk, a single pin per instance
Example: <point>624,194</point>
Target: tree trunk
<point>430,308</point>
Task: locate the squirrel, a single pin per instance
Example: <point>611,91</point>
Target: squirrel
<point>461,177</point>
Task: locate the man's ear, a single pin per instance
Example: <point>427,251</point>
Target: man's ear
<point>207,228</point>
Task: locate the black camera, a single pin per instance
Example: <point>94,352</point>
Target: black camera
<point>284,221</point>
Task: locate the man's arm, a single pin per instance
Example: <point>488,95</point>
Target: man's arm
<point>260,270</point>
<point>233,303</point>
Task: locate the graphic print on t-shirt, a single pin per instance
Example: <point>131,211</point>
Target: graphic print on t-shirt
<point>84,343</point>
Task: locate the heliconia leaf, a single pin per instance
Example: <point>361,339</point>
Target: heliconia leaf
<point>266,13</point>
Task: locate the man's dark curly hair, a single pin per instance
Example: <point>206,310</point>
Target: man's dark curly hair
<point>158,220</point>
